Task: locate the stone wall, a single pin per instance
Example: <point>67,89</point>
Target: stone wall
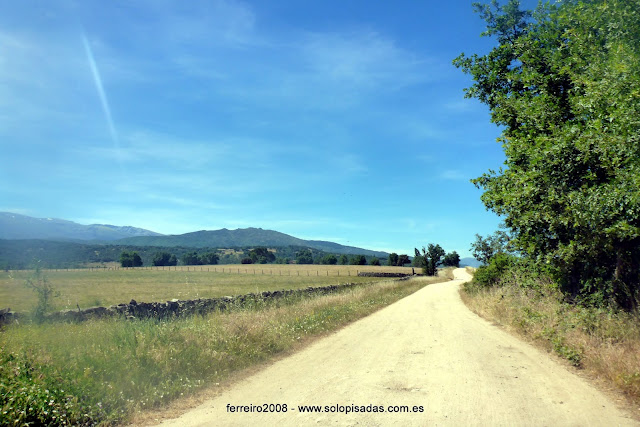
<point>175,308</point>
<point>380,274</point>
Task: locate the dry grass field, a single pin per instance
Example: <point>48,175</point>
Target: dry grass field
<point>104,287</point>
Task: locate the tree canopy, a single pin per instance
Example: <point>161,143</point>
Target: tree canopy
<point>563,83</point>
<point>130,259</point>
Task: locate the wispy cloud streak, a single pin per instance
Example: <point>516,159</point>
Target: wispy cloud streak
<point>103,97</point>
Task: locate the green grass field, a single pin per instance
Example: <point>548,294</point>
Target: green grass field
<point>99,287</point>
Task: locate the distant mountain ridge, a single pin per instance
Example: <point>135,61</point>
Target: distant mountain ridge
<point>243,237</point>
<point>15,226</point>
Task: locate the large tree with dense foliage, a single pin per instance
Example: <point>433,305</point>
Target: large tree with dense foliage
<point>451,259</point>
<point>563,83</point>
<point>130,259</point>
<point>432,258</point>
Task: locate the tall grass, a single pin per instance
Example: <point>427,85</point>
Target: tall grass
<point>103,371</point>
<point>604,342</point>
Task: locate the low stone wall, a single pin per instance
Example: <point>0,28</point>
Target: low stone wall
<point>175,308</point>
<point>380,274</point>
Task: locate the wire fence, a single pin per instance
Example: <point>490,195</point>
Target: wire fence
<point>225,270</point>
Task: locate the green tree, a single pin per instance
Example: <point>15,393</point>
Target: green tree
<point>304,257</point>
<point>393,259</point>
<point>374,261</point>
<point>208,258</point>
<point>485,248</point>
<point>403,259</point>
<point>191,258</point>
<point>344,260</point>
<point>451,259</point>
<point>329,259</point>
<point>432,256</point>
<point>130,259</point>
<point>563,83</point>
<point>261,255</point>
<point>164,258</point>
<point>358,260</point>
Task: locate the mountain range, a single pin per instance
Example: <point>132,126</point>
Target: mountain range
<point>15,226</point>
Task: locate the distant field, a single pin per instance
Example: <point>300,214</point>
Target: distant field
<point>104,287</point>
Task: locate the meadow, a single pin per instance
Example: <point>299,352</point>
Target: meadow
<point>103,287</point>
<point>106,371</point>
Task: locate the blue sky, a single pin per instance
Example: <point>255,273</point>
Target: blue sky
<point>329,120</point>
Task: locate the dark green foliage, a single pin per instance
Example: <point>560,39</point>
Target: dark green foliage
<point>490,274</point>
<point>451,260</point>
<point>374,261</point>
<point>432,256</point>
<point>418,259</point>
<point>246,260</point>
<point>329,259</point>
<point>304,257</point>
<point>164,259</point>
<point>344,260</point>
<point>191,258</point>
<point>194,258</point>
<point>261,255</point>
<point>130,259</point>
<point>393,259</point>
<point>208,258</point>
<point>403,259</point>
<point>564,84</point>
<point>358,260</point>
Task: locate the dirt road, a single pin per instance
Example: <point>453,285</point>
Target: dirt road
<point>427,353</point>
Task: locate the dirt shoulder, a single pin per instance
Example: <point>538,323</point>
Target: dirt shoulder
<point>427,353</point>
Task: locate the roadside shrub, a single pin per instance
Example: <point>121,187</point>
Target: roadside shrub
<point>491,274</point>
<point>44,290</point>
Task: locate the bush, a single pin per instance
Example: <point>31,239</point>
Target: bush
<point>491,274</point>
<point>39,283</point>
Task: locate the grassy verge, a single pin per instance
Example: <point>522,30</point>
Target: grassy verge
<point>103,371</point>
<point>605,343</point>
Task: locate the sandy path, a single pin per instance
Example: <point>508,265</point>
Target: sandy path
<point>426,350</point>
